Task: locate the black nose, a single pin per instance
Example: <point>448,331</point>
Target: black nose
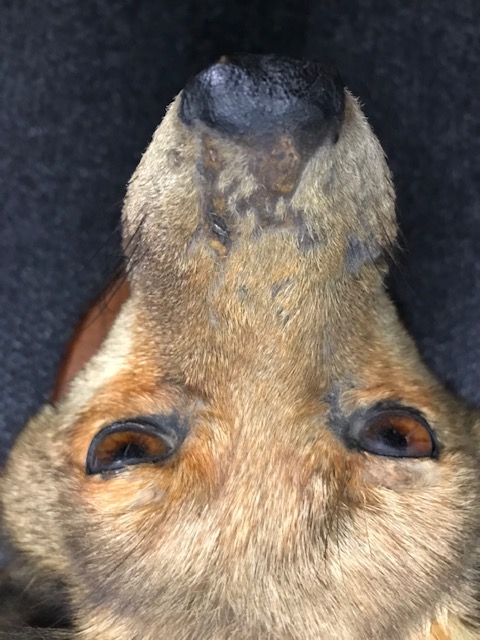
<point>252,94</point>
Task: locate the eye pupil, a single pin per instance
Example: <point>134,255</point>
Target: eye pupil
<point>393,438</point>
<point>130,450</point>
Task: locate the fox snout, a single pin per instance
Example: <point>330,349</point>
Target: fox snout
<point>280,190</point>
<point>256,450</point>
<point>265,95</point>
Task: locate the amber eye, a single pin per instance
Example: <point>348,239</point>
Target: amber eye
<point>142,440</point>
<point>397,433</point>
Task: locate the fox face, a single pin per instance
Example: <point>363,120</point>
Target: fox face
<point>256,450</point>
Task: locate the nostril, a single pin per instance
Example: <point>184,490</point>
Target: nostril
<point>263,94</point>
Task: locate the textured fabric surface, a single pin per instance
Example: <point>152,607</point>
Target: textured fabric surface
<point>85,83</point>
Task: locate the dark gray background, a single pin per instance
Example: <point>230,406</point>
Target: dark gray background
<point>83,85</point>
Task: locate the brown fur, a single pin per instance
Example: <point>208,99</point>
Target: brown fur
<point>264,525</point>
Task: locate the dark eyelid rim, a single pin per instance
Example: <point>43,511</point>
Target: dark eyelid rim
<point>171,428</point>
<point>346,426</point>
<point>359,422</point>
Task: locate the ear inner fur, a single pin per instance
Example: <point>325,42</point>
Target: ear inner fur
<point>90,333</point>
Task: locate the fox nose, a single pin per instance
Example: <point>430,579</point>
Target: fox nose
<point>257,95</point>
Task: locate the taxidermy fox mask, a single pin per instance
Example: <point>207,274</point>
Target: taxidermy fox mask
<point>256,450</point>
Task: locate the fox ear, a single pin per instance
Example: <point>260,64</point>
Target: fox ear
<point>90,333</point>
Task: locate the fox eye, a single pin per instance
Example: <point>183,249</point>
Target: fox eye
<point>397,433</point>
<point>151,439</point>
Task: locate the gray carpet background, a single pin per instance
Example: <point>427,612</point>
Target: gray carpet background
<point>83,85</point>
